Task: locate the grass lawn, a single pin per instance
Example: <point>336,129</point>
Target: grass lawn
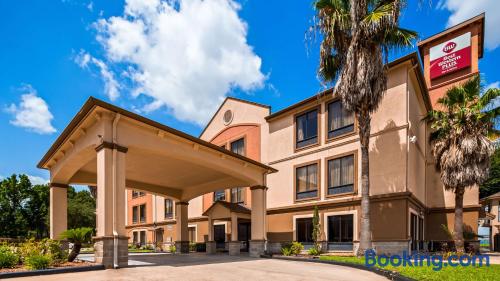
<point>491,272</point>
<point>140,250</point>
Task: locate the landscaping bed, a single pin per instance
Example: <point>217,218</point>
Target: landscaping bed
<point>20,268</point>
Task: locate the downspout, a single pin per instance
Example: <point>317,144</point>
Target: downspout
<point>115,232</point>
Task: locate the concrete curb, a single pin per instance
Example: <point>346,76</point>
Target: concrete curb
<point>391,275</point>
<point>50,271</point>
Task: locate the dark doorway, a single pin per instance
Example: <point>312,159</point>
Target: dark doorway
<point>244,231</point>
<point>340,232</point>
<point>496,243</point>
<point>304,230</point>
<point>220,236</point>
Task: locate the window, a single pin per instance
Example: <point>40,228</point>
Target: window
<point>238,147</point>
<point>142,212</point>
<point>340,121</point>
<point>169,208</point>
<point>136,237</point>
<point>136,193</point>
<point>237,195</point>
<point>340,228</point>
<point>219,195</point>
<point>135,214</point>
<point>341,175</point>
<point>192,233</point>
<point>304,227</point>
<point>143,238</point>
<point>306,182</point>
<point>306,128</point>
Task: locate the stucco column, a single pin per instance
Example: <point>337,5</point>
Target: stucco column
<point>234,245</point>
<point>258,216</point>
<point>182,234</point>
<point>58,209</point>
<point>210,247</point>
<point>111,240</point>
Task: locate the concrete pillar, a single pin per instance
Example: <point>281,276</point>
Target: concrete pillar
<point>211,246</point>
<point>234,245</point>
<point>111,241</point>
<point>258,216</point>
<point>58,209</point>
<point>181,217</point>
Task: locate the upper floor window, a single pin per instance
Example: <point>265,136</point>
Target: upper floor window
<point>340,121</point>
<point>341,175</point>
<point>306,131</point>
<point>237,195</point>
<point>169,208</point>
<point>219,195</point>
<point>136,193</point>
<point>135,214</point>
<point>306,182</point>
<point>142,213</point>
<point>238,146</point>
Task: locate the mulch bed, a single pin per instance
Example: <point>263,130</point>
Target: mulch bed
<point>62,265</point>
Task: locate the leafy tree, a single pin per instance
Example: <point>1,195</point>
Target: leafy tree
<point>492,185</point>
<point>77,236</point>
<point>81,209</point>
<point>37,211</point>
<point>357,35</point>
<point>316,231</point>
<point>460,142</point>
<point>13,215</point>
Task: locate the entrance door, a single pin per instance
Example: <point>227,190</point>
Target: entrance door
<point>414,232</point>
<point>244,235</point>
<point>496,243</point>
<point>220,236</point>
<point>340,232</point>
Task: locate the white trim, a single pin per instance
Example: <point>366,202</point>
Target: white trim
<point>354,214</point>
<point>294,218</point>
<point>195,231</point>
<point>410,212</point>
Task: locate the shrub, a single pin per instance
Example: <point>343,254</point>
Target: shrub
<point>192,247</point>
<point>8,258</point>
<point>286,251</point>
<point>54,249</point>
<point>296,248</point>
<point>172,249</point>
<point>38,261</point>
<point>77,236</point>
<point>314,251</point>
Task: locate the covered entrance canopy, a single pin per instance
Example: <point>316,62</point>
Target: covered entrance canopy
<point>113,149</point>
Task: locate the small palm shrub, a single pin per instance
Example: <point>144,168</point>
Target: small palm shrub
<point>296,248</point>
<point>38,261</point>
<point>77,236</point>
<point>172,249</point>
<point>8,258</point>
<point>314,251</point>
<point>286,251</point>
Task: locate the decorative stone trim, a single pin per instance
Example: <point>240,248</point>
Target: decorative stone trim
<point>111,145</point>
<point>182,247</point>
<point>257,248</point>
<point>234,248</point>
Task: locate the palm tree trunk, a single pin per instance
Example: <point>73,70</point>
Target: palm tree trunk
<point>74,252</point>
<point>365,241</point>
<point>458,234</point>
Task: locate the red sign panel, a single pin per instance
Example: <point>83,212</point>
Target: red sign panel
<point>450,56</point>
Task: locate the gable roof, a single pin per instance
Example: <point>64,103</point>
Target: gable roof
<point>232,207</point>
<point>412,57</point>
<point>224,102</point>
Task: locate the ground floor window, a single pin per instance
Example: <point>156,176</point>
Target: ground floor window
<point>304,227</point>
<point>340,232</point>
<point>135,237</point>
<point>416,232</point>
<point>192,233</point>
<point>143,238</point>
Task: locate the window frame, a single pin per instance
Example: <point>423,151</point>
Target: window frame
<point>225,195</point>
<point>171,216</point>
<point>318,129</point>
<point>327,121</point>
<point>327,175</point>
<point>318,180</point>
<point>145,214</point>
<point>135,218</point>
<point>242,190</point>
<point>244,139</point>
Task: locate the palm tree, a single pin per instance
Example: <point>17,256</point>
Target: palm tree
<point>460,145</point>
<point>77,236</point>
<point>357,36</point>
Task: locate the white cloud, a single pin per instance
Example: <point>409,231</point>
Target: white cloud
<point>111,85</point>
<point>90,6</point>
<point>462,10</point>
<point>492,85</point>
<point>185,55</point>
<point>37,180</point>
<point>32,113</point>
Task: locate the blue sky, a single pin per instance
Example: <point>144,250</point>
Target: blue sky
<point>173,66</point>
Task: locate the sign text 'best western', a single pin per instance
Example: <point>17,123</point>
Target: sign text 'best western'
<point>451,55</point>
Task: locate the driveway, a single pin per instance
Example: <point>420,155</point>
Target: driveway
<point>216,267</point>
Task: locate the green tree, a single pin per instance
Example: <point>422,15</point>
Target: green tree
<point>13,196</point>
<point>316,231</point>
<point>492,185</point>
<point>357,35</point>
<point>37,211</point>
<point>460,143</point>
<point>81,209</point>
<point>77,236</point>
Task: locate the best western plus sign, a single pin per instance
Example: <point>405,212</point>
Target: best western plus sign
<point>450,56</point>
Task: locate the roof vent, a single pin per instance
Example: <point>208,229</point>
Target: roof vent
<point>228,117</point>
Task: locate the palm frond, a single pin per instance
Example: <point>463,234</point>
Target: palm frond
<point>399,37</point>
<point>489,96</point>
